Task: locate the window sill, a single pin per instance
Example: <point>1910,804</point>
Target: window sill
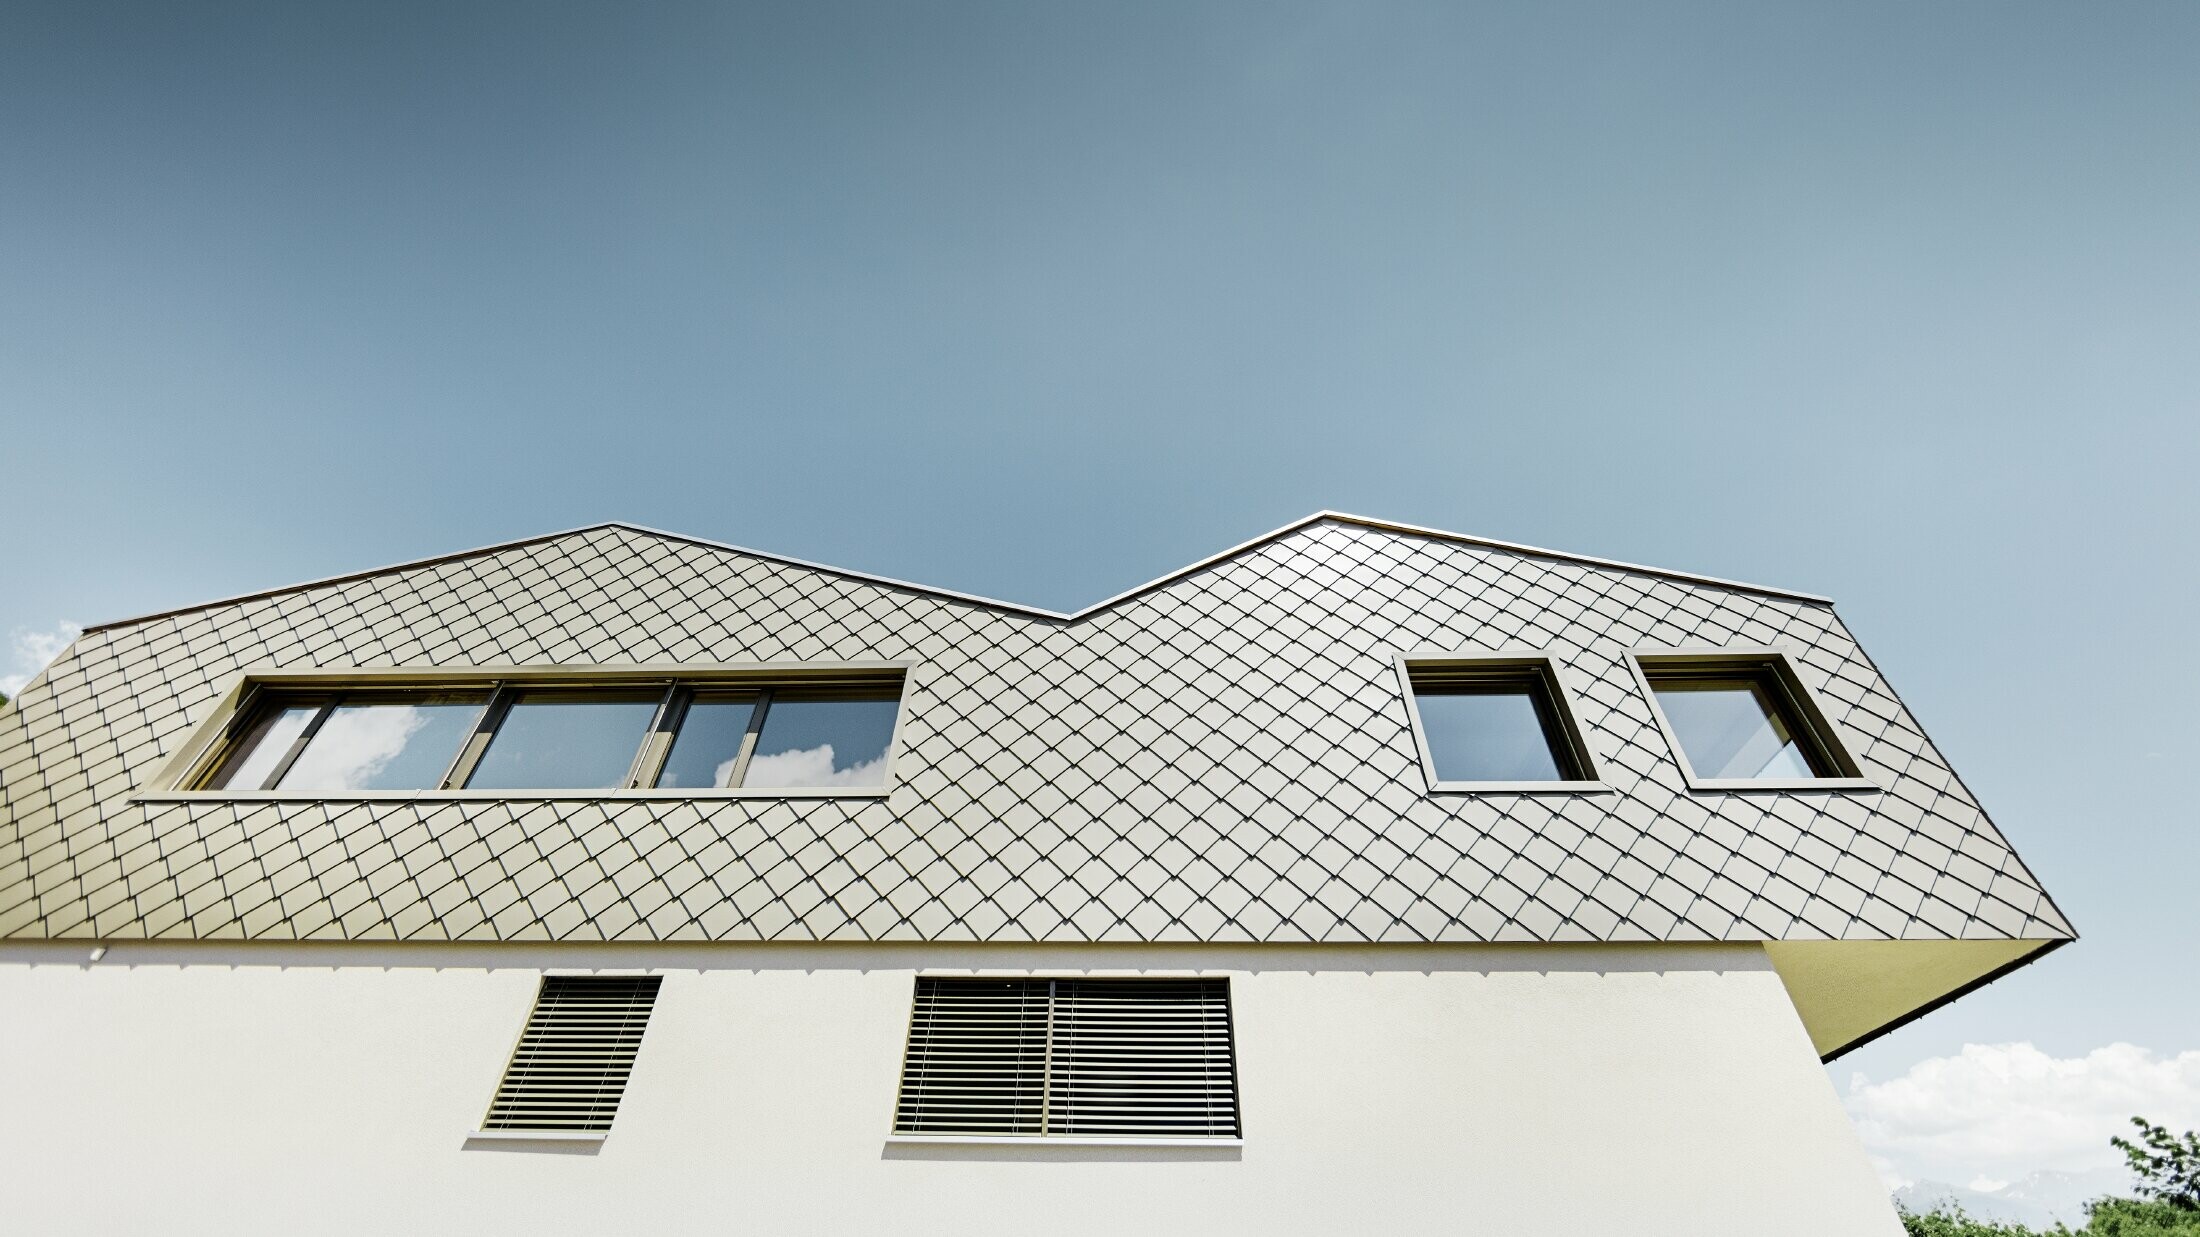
<point>541,1136</point>
<point>1520,788</point>
<point>1726,785</point>
<point>1021,1140</point>
<point>491,796</point>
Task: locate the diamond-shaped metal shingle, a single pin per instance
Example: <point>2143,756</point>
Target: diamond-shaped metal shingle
<point>1223,757</point>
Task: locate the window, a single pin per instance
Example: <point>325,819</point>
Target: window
<point>558,740</point>
<point>570,1068</point>
<point>696,735</point>
<point>374,741</point>
<point>1069,1058</point>
<point>810,739</point>
<point>1497,722</point>
<point>707,748</point>
<point>1741,720</point>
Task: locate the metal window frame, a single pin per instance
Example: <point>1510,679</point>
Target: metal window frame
<point>1043,1139</point>
<point>1541,665</point>
<point>253,718</point>
<point>1806,716</point>
<point>506,696</point>
<point>212,740</point>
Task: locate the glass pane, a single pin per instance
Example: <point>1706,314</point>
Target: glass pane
<point>1487,733</point>
<point>823,743</point>
<point>395,743</point>
<point>249,767</point>
<point>708,743</point>
<point>565,741</point>
<point>1731,728</point>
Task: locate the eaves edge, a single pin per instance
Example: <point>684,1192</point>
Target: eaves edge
<point>1097,607</point>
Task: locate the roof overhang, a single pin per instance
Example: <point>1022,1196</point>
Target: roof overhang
<point>1852,992</point>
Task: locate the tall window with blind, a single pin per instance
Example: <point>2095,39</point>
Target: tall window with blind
<point>1070,1058</point>
<point>570,1067</point>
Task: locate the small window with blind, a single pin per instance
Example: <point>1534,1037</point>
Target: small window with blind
<point>570,1068</point>
<point>1084,1059</point>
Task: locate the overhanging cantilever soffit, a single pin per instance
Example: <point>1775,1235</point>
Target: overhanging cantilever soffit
<point>1849,993</point>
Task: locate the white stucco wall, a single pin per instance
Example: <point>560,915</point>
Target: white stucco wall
<point>1489,1090</point>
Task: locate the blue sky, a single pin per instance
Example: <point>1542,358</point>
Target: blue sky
<point>1899,304</point>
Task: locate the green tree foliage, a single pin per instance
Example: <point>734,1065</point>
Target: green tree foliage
<point>1953,1221</point>
<point>2168,1167</point>
<point>2123,1217</point>
<point>2108,1217</point>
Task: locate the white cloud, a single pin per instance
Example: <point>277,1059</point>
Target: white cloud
<point>812,766</point>
<point>1997,1112</point>
<point>29,652</point>
<point>354,746</point>
<point>1891,1173</point>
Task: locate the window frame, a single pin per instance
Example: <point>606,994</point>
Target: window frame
<point>1502,664</point>
<point>234,714</point>
<point>1188,1142</point>
<point>538,1134</point>
<point>1807,717</point>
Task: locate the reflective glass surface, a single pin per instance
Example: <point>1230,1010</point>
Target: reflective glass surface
<point>398,743</point>
<point>249,767</point>
<point>552,740</point>
<point>1730,728</point>
<point>1487,732</point>
<point>709,742</point>
<point>823,743</point>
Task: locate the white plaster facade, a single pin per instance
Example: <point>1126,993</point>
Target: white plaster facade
<point>1664,1090</point>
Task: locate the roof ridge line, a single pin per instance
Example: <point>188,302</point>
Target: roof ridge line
<point>1342,517</point>
<point>1106,603</point>
<point>1517,547</point>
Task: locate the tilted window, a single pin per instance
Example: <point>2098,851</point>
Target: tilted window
<point>1495,722</point>
<point>1069,1058</point>
<point>571,1066</point>
<point>523,736</point>
<point>1743,721</point>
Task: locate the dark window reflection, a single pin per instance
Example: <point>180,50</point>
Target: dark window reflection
<point>553,740</point>
<point>823,742</point>
<point>1489,732</point>
<point>392,743</point>
<point>1732,727</point>
<point>254,761</point>
<point>709,742</point>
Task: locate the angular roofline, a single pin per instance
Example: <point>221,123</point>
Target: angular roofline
<point>1339,517</point>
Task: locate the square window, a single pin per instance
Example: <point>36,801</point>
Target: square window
<point>1743,720</point>
<point>1496,722</point>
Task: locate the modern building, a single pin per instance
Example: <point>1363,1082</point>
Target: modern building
<point>1362,878</point>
